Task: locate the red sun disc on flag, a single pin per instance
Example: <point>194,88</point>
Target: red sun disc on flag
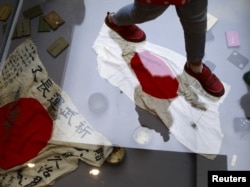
<point>155,76</point>
<point>25,129</point>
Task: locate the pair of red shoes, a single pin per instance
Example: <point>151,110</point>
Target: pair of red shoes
<point>209,81</point>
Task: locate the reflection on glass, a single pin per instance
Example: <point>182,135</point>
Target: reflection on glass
<point>143,135</point>
<point>31,165</point>
<point>98,103</point>
<point>94,172</point>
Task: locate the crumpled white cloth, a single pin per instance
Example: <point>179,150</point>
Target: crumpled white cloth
<point>195,121</point>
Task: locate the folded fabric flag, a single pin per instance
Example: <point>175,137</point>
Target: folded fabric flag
<point>153,77</point>
<point>42,133</point>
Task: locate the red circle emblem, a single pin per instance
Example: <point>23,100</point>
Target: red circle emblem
<point>155,77</point>
<point>25,128</point>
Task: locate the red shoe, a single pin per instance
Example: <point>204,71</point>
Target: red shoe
<point>131,33</point>
<point>210,83</point>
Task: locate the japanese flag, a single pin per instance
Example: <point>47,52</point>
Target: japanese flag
<point>35,114</point>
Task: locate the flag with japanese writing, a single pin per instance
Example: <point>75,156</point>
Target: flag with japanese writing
<point>35,115</point>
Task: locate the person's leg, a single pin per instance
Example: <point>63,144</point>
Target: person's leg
<point>138,12</point>
<point>193,17</point>
<point>124,20</point>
